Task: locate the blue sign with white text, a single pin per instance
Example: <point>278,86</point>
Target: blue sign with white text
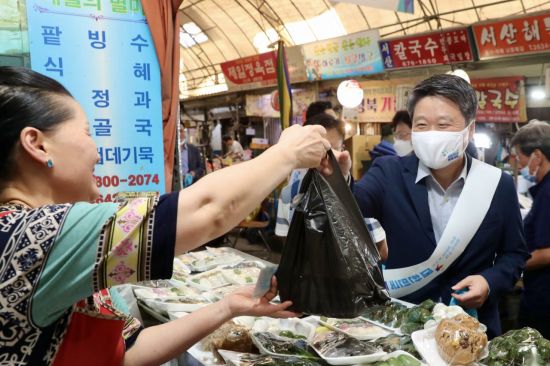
<point>103,53</point>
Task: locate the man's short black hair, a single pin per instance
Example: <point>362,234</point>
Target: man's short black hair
<point>317,107</point>
<point>328,122</point>
<point>227,138</point>
<point>452,87</point>
<point>401,117</point>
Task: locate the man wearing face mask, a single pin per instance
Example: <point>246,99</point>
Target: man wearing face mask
<point>532,145</point>
<point>452,223</point>
<point>402,126</point>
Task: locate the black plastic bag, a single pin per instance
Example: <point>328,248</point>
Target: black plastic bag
<point>329,265</point>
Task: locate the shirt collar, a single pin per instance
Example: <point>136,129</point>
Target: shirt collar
<point>423,171</point>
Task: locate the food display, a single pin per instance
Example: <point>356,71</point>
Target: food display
<point>229,336</point>
<point>460,340</point>
<point>206,260</point>
<point>279,345</point>
<point>180,271</point>
<point>208,280</point>
<point>336,344</point>
<point>396,334</point>
<point>220,292</point>
<point>400,317</point>
<point>165,293</point>
<point>396,342</point>
<point>399,360</point>
<point>520,347</point>
<point>248,359</point>
<point>245,273</point>
<point>358,328</point>
<point>291,328</point>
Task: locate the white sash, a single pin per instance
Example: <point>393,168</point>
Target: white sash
<point>470,210</point>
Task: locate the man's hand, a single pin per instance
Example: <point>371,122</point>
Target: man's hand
<point>344,161</point>
<point>478,291</point>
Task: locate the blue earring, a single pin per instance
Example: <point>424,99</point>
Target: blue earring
<point>49,163</point>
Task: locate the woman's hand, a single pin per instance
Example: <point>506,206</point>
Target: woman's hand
<point>241,302</point>
<point>307,146</point>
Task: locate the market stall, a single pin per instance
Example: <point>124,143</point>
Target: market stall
<point>398,333</point>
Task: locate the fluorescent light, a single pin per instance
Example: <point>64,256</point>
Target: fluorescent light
<point>482,140</point>
<point>191,34</point>
<point>537,93</point>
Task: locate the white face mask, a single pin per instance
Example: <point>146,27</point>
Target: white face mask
<point>402,147</point>
<point>526,171</point>
<point>438,149</point>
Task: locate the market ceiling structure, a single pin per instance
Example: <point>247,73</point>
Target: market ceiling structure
<point>215,31</point>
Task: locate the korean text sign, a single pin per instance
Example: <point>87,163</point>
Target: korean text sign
<point>516,36</point>
<point>259,71</point>
<point>500,99</point>
<point>257,68</point>
<point>103,53</point>
<point>435,48</point>
<point>352,55</point>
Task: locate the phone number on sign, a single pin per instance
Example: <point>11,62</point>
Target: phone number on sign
<point>132,180</point>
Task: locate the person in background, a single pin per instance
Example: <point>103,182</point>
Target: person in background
<point>385,147</point>
<point>335,135</point>
<point>234,148</point>
<point>319,107</point>
<point>532,146</point>
<point>191,164</point>
<point>61,254</point>
<point>402,128</point>
<point>415,197</point>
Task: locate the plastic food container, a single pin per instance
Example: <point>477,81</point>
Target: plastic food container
<point>358,328</point>
<point>424,341</point>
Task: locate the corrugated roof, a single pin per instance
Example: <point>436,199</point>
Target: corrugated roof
<point>239,28</point>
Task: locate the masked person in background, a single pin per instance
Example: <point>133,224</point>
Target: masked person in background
<point>532,145</point>
<point>402,126</point>
<point>452,223</point>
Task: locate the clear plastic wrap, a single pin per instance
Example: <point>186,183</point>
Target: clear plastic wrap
<point>519,347</point>
<point>460,340</point>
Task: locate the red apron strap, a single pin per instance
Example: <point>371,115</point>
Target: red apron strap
<point>92,341</point>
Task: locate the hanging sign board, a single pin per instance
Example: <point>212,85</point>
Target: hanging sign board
<point>434,48</point>
<point>103,53</point>
<point>500,99</point>
<point>352,55</point>
<point>259,71</point>
<point>515,36</point>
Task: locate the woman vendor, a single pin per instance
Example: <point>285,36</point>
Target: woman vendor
<point>60,253</point>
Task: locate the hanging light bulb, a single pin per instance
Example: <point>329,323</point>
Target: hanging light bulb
<point>460,73</point>
<point>349,93</point>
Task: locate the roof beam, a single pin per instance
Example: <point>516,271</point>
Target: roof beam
<point>477,14</point>
<point>234,22</point>
<point>399,20</point>
<point>427,17</point>
<point>364,16</point>
<point>280,21</point>
<point>451,12</point>
<point>304,18</point>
